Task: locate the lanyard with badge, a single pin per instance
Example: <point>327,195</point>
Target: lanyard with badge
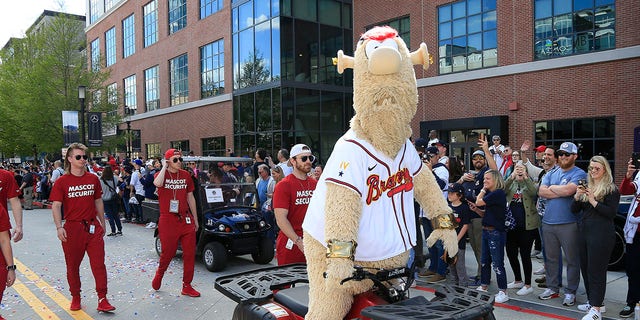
<point>174,204</point>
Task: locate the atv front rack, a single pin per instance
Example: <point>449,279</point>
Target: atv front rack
<point>258,285</point>
<point>451,302</point>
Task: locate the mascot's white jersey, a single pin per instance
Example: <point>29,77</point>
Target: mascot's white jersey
<point>385,186</point>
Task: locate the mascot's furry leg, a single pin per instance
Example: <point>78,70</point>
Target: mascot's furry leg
<point>324,302</point>
<point>429,196</point>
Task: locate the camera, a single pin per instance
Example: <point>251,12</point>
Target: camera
<point>426,157</point>
<point>582,183</point>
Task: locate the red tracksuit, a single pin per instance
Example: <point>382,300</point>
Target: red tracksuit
<point>78,195</point>
<point>8,189</point>
<point>177,228</point>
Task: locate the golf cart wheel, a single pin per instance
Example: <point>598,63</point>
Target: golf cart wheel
<point>264,255</point>
<point>214,256</point>
<point>158,246</point>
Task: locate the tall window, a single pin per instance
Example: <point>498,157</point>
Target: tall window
<point>151,95</point>
<point>179,80</point>
<point>128,36</point>
<point>95,55</point>
<point>150,21</point>
<point>593,136</point>
<point>108,4</point>
<point>154,150</point>
<point>182,145</point>
<point>177,15</point>
<point>94,10</point>
<point>467,37</point>
<point>212,69</point>
<point>110,46</point>
<point>565,27</point>
<point>215,146</point>
<point>112,94</point>
<point>130,94</point>
<point>209,7</point>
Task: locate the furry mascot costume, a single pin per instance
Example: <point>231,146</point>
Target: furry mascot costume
<point>365,195</point>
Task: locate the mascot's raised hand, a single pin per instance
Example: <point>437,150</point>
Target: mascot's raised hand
<point>361,212</point>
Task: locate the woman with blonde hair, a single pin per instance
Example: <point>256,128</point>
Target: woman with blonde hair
<point>596,202</point>
<point>494,199</point>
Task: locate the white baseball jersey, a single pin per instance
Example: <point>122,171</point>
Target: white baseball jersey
<point>387,225</point>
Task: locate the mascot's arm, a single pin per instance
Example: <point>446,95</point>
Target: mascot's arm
<point>343,209</point>
<point>429,196</point>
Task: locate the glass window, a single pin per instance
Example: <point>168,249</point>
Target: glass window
<point>305,10</point>
<point>215,146</point>
<point>262,55</point>
<point>128,36</point>
<point>275,49</point>
<point>306,51</point>
<point>245,15</point>
<point>177,15</point>
<point>150,21</point>
<point>182,145</point>
<point>130,100</point>
<point>154,150</point>
<point>467,31</point>
<point>179,80</point>
<point>402,25</point>
<point>572,27</point>
<point>209,7</point>
<point>151,89</point>
<point>330,6</point>
<point>593,136</point>
<point>95,55</point>
<point>261,11</point>
<point>94,10</point>
<point>110,46</point>
<point>212,69</point>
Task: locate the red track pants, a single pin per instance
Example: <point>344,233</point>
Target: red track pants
<point>79,241</point>
<point>173,231</point>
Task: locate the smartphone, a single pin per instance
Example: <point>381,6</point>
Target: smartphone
<point>582,183</point>
<point>481,136</point>
<point>635,158</point>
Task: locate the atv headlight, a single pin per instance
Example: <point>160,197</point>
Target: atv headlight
<point>221,227</point>
<point>262,224</point>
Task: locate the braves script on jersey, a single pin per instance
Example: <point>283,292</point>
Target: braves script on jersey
<point>387,225</point>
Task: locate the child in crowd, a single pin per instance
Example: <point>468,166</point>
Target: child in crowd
<point>462,213</point>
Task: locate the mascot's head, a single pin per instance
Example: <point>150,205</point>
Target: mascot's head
<point>384,81</point>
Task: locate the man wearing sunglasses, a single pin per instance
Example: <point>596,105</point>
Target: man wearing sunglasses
<point>83,231</point>
<point>290,201</point>
<point>178,221</point>
<point>559,224</point>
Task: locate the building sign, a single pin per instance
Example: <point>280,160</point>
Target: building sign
<point>95,129</point>
<point>70,127</point>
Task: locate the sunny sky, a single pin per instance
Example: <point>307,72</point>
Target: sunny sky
<point>16,16</point>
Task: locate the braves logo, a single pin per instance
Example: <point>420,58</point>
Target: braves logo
<point>396,183</point>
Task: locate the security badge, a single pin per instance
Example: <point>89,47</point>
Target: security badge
<point>92,229</point>
<point>174,205</point>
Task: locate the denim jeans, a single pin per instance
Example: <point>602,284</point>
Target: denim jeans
<point>436,251</point>
<point>493,242</point>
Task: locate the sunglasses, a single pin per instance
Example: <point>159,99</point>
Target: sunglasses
<point>84,157</point>
<point>175,160</point>
<point>563,154</point>
<point>594,168</point>
<point>305,158</point>
<point>478,158</point>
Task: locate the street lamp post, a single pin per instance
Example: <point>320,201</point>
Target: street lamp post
<point>81,95</point>
<point>127,112</point>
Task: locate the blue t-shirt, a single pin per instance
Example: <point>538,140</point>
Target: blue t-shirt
<point>463,216</point>
<point>262,190</point>
<point>558,210</point>
<point>495,209</point>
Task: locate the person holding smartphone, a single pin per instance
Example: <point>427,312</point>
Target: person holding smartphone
<point>596,203</point>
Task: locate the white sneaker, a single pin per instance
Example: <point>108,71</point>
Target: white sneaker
<point>501,297</point>
<point>525,291</point>
<point>151,225</point>
<point>593,315</point>
<point>540,271</point>
<point>587,306</point>
<point>515,285</point>
<point>569,299</point>
<point>480,288</point>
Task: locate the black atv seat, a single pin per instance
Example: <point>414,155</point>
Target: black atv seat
<point>296,299</point>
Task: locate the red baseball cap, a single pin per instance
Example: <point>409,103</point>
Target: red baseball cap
<point>172,152</point>
<point>540,148</point>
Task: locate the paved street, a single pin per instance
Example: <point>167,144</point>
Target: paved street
<point>41,291</point>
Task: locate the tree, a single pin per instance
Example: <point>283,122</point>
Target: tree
<point>39,78</point>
